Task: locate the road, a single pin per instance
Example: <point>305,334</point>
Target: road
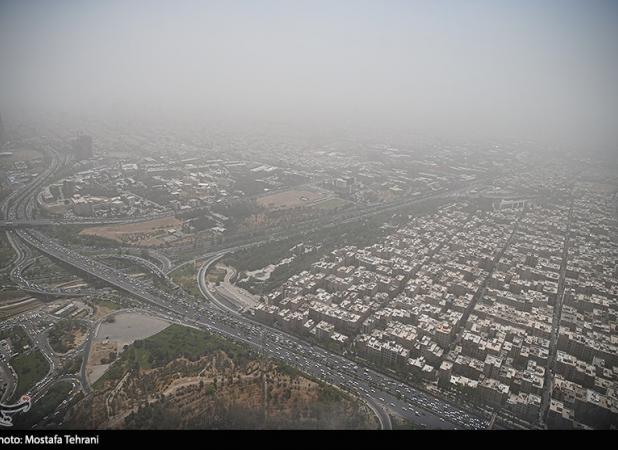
<point>33,223</point>
<point>416,406</point>
<point>380,391</point>
<point>553,345</point>
<point>313,360</point>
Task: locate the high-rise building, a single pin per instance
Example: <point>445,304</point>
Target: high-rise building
<point>82,147</point>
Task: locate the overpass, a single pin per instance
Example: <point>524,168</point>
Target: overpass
<point>46,222</point>
<point>90,267</point>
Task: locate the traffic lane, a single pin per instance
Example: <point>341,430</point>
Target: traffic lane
<point>387,401</point>
<point>134,287</point>
<point>348,383</point>
<point>422,400</point>
<point>343,364</point>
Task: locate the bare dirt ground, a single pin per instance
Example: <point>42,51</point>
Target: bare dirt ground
<point>99,359</point>
<point>101,311</point>
<point>79,337</point>
<point>95,372</point>
<point>101,351</point>
<point>146,233</point>
<point>128,327</point>
<point>292,199</point>
<point>112,337</point>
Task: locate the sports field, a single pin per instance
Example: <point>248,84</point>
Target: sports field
<point>293,198</point>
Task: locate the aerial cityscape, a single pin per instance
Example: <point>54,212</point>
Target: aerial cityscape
<point>164,268</point>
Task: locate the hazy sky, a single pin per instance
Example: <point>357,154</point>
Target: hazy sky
<point>512,69</point>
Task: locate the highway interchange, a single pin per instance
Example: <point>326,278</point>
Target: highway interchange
<point>381,392</point>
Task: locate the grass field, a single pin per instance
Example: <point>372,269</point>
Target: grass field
<point>30,368</point>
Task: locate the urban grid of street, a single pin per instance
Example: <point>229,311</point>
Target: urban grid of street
<point>383,393</point>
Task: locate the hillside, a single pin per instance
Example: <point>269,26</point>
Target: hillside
<point>184,378</point>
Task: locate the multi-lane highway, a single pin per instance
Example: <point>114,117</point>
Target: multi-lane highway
<point>396,396</point>
<point>32,223</point>
<point>383,390</point>
<point>380,391</point>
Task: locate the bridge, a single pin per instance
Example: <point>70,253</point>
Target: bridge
<point>33,223</point>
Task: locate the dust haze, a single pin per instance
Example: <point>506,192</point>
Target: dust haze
<point>541,70</point>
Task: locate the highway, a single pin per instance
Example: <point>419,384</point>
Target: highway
<point>36,325</point>
<point>242,240</point>
<point>23,261</point>
<point>31,223</point>
<point>415,405</point>
<point>380,391</point>
<point>404,400</point>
